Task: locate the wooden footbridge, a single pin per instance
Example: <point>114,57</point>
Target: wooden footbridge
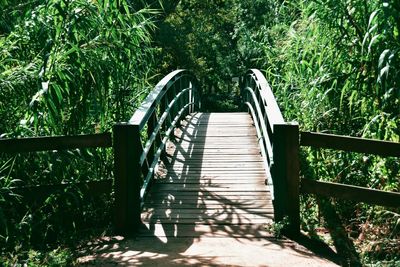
<point>200,188</point>
<point>216,167</point>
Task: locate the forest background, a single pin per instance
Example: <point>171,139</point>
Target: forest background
<point>72,67</point>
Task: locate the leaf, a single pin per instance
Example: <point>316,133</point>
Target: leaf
<point>373,40</point>
<point>58,91</point>
<point>364,42</point>
<point>126,8</point>
<point>371,17</point>
<point>384,72</point>
<point>373,28</point>
<point>382,57</point>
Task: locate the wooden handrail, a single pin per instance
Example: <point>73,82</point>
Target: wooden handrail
<point>257,93</point>
<point>268,99</point>
<point>258,117</point>
<point>350,192</point>
<point>46,143</point>
<point>279,146</point>
<point>350,144</point>
<point>146,109</point>
<point>136,158</point>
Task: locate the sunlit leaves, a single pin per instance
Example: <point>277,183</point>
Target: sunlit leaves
<point>86,51</point>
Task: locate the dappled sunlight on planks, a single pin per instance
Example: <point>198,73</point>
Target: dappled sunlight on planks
<point>209,204</point>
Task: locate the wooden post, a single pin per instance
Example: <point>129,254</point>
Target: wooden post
<point>286,175</point>
<point>127,172</point>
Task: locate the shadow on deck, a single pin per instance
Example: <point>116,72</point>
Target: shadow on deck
<point>209,206</point>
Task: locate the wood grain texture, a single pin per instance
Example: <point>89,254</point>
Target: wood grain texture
<point>213,175</point>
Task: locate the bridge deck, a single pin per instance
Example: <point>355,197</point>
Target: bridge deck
<point>208,207</point>
<point>214,180</point>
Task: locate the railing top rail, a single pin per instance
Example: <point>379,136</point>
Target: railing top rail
<point>272,109</point>
<point>46,143</point>
<point>143,113</point>
<point>350,144</point>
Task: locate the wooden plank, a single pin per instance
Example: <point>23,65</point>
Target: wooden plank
<point>351,192</point>
<point>244,123</point>
<point>203,183</point>
<point>208,194</point>
<point>213,164</point>
<point>216,169</point>
<point>209,145</point>
<point>221,152</point>
<point>231,150</point>
<point>208,204</point>
<point>186,169</point>
<point>211,217</point>
<point>191,130</point>
<point>215,189</point>
<point>210,154</point>
<point>217,139</point>
<point>222,172</point>
<point>216,158</point>
<point>220,183</point>
<point>46,143</point>
<point>212,204</point>
<point>215,176</point>
<point>351,144</point>
<point>164,199</point>
<point>195,212</point>
<point>215,128</point>
<point>173,199</point>
<point>184,230</point>
<point>209,181</point>
<point>221,134</point>
<point>210,220</point>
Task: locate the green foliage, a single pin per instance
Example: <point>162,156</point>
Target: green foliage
<point>66,67</point>
<point>277,228</point>
<point>333,66</point>
<point>72,67</point>
<point>199,36</point>
<point>34,258</point>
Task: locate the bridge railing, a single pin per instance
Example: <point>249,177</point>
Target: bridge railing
<point>279,144</point>
<point>38,193</point>
<point>344,191</point>
<point>139,143</point>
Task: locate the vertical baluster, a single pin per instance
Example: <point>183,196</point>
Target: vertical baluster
<point>190,97</point>
<point>151,124</point>
<point>180,103</point>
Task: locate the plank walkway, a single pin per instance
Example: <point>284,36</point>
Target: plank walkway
<point>209,204</point>
<point>209,182</point>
